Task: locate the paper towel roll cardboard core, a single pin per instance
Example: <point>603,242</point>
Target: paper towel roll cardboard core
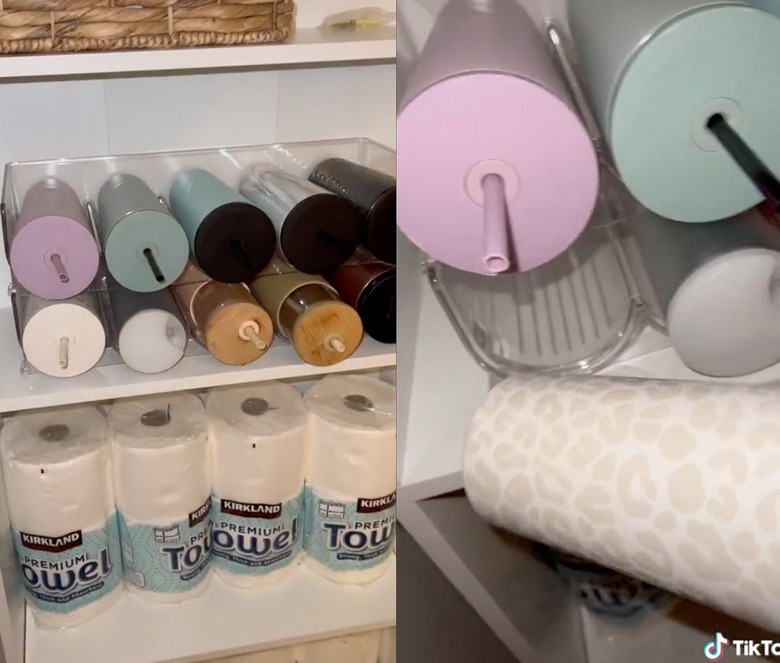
<point>54,433</point>
<point>254,406</point>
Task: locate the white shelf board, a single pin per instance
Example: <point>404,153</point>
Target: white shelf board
<point>305,46</point>
<point>222,622</point>
<point>26,392</point>
<point>445,388</point>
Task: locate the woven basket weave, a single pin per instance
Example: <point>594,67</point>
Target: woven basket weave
<point>58,26</point>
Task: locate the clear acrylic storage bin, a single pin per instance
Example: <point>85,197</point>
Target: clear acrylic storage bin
<point>87,175</point>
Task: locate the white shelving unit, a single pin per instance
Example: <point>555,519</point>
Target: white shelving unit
<point>316,85</point>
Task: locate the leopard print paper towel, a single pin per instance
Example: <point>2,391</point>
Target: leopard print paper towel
<point>675,483</point>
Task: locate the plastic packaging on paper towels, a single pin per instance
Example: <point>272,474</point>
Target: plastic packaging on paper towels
<point>163,494</point>
<point>351,478</point>
<point>258,447</point>
<point>56,467</point>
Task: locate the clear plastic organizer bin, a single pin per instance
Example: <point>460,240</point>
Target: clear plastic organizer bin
<point>573,315</point>
<point>157,170</point>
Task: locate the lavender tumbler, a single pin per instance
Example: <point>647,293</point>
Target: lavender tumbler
<point>53,252</point>
<point>496,171</point>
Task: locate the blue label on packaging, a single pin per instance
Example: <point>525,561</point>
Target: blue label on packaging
<point>64,573</point>
<point>253,538</point>
<point>609,594</point>
<point>348,536</point>
<point>168,559</point>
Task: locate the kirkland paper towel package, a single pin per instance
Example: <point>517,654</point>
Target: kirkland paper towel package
<point>57,469</point>
<point>350,478</point>
<point>357,648</point>
<point>258,450</point>
<point>163,494</point>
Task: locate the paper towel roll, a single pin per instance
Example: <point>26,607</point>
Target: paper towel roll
<point>350,478</point>
<point>57,469</point>
<point>163,494</point>
<point>654,112</point>
<point>258,449</point>
<point>673,483</point>
<point>387,647</point>
<point>357,648</point>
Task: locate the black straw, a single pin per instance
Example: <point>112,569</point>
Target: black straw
<point>756,170</point>
<point>329,239</point>
<point>236,248</point>
<point>158,275</point>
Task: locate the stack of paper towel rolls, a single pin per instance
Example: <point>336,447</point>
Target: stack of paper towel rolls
<point>350,478</point>
<point>56,466</point>
<point>164,488</point>
<point>163,494</point>
<point>258,445</point>
<point>673,483</point>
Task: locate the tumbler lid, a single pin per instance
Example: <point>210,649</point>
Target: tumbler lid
<point>234,243</point>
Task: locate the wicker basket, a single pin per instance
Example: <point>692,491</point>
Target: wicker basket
<point>58,26</point>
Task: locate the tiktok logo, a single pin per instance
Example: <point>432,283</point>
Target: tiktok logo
<point>714,650</point>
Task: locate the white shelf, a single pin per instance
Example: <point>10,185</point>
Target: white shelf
<point>305,46</point>
<point>223,621</point>
<point>443,387</point>
<point>520,598</point>
<point>26,392</point>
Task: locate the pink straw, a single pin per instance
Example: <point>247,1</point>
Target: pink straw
<point>496,259</point>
